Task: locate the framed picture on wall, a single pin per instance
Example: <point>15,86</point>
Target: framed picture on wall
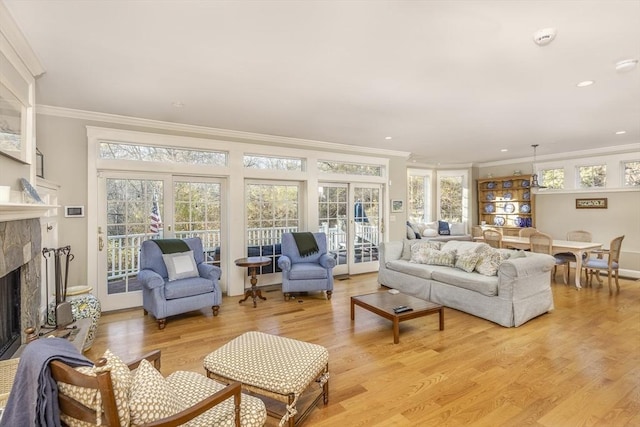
<point>599,203</point>
<point>397,206</point>
<point>12,124</point>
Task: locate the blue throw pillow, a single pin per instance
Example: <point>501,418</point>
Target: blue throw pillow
<point>443,228</point>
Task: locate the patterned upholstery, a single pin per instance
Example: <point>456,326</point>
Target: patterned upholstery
<point>275,366</point>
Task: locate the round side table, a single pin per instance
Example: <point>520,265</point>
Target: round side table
<point>253,263</point>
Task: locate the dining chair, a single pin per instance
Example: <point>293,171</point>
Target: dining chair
<point>575,236</point>
<point>527,231</point>
<point>543,243</point>
<point>493,238</point>
<point>610,264</point>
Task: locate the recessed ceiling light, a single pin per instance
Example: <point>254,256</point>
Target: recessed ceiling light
<point>621,132</point>
<point>504,150</point>
<point>388,137</point>
<point>585,83</point>
<point>177,104</point>
<point>626,65</point>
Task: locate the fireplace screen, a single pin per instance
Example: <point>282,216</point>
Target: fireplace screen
<point>9,314</point>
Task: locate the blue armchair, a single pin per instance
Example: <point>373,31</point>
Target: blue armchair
<point>303,274</point>
<point>163,297</point>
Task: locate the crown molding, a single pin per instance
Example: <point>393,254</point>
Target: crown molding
<point>616,149</point>
<point>18,42</point>
<point>216,132</point>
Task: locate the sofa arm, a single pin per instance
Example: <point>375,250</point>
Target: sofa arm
<point>327,261</point>
<point>284,262</point>
<point>208,271</point>
<point>150,279</point>
<point>390,251</point>
<point>519,278</point>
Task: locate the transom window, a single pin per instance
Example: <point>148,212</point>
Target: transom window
<point>631,174</point>
<point>330,166</point>
<point>592,176</point>
<point>252,161</point>
<point>552,178</point>
<point>148,153</point>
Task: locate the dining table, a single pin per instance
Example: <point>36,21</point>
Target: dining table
<point>558,246</point>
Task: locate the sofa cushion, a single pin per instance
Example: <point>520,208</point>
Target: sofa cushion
<point>180,265</point>
<point>420,251</point>
<point>467,261</point>
<point>443,228</point>
<point>463,246</point>
<point>486,285</point>
<point>436,257</point>
<point>151,397</point>
<point>423,271</point>
<point>187,287</point>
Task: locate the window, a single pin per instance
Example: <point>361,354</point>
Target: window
<point>451,198</point>
<point>552,178</point>
<point>145,153</point>
<point>592,176</point>
<point>272,209</point>
<point>277,163</point>
<point>329,166</point>
<point>631,176</point>
<point>419,205</point>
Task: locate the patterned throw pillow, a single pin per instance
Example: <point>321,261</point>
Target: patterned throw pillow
<point>181,265</point>
<point>121,377</point>
<point>419,251</point>
<point>467,261</point>
<point>436,257</point>
<point>151,397</point>
<point>489,262</point>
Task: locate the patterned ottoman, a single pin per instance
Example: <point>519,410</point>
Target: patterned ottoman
<point>274,367</point>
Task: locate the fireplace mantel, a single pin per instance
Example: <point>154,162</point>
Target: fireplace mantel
<point>17,211</point>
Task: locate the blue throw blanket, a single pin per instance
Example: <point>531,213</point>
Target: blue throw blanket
<point>34,395</point>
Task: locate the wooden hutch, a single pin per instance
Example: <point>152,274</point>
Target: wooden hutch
<point>506,203</point>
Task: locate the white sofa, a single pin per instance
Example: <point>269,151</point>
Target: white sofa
<point>520,291</point>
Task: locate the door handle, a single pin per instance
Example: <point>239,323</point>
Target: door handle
<point>100,243</point>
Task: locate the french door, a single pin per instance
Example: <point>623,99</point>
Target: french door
<point>138,207</point>
<point>351,216</point>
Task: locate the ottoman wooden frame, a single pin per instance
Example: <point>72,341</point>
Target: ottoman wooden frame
<point>274,367</point>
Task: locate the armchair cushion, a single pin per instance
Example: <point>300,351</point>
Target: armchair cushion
<point>151,397</point>
<point>187,287</point>
<point>181,265</point>
<point>121,378</point>
<point>305,271</point>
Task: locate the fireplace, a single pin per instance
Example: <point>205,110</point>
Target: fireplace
<point>20,259</point>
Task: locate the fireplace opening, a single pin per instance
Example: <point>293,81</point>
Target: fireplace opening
<point>9,314</point>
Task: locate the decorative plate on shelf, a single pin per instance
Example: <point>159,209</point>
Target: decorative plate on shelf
<point>507,196</point>
<point>526,195</point>
<point>499,221</point>
<point>509,208</point>
<point>525,183</point>
<point>489,208</point>
<point>525,208</point>
<point>507,184</point>
<point>490,196</point>
<point>517,221</point>
<point>491,185</point>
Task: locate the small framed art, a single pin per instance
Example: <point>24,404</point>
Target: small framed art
<point>599,203</point>
<point>397,206</point>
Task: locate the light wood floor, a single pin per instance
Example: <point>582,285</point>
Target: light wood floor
<point>577,366</point>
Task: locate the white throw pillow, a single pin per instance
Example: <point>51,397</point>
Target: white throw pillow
<point>456,228</point>
<point>180,265</point>
<point>428,232</point>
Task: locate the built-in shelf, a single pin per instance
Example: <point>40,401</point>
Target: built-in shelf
<point>17,211</point>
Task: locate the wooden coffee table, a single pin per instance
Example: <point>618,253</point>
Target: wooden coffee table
<point>382,304</point>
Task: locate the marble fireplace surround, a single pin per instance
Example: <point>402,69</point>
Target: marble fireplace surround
<point>20,246</point>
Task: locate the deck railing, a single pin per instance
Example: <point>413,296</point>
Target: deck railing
<point>123,251</point>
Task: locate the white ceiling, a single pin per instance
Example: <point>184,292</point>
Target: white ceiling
<point>450,81</point>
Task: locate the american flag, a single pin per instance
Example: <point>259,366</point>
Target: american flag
<point>156,221</point>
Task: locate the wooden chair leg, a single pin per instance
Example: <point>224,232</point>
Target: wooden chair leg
<point>617,284</point>
<point>329,294</point>
<point>287,296</point>
<point>216,310</point>
<point>162,323</point>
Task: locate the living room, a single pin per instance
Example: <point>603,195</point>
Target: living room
<point>70,136</point>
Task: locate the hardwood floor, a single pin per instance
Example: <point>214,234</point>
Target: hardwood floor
<point>576,366</point>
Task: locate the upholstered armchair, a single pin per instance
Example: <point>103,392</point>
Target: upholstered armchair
<point>188,284</point>
<point>313,272</point>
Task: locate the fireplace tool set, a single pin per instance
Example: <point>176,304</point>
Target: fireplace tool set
<point>62,308</point>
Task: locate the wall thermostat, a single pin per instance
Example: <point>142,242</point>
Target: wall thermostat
<point>74,211</point>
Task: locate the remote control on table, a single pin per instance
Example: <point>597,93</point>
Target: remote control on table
<point>399,310</point>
